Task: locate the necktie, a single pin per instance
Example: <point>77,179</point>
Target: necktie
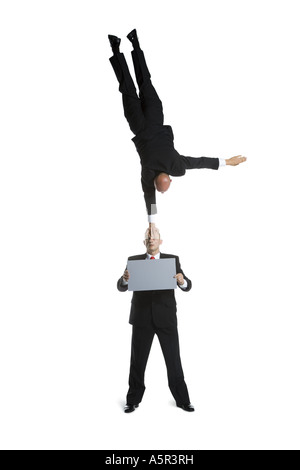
<point>152,257</point>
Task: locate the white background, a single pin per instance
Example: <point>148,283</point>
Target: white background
<point>72,211</point>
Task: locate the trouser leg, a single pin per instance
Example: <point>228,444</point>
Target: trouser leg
<point>151,103</point>
<point>119,64</point>
<point>140,348</point>
<point>131,103</point>
<point>140,67</point>
<point>169,341</point>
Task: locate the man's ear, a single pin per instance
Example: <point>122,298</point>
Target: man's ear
<point>160,242</point>
<point>144,242</point>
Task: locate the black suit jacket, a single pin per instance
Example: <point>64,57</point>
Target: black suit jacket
<point>155,146</point>
<point>157,306</point>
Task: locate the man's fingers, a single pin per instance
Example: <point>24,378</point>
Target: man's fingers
<point>241,158</point>
<point>237,160</point>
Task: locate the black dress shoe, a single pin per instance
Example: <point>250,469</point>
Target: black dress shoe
<point>188,407</point>
<point>132,36</point>
<point>115,43</point>
<point>130,408</point>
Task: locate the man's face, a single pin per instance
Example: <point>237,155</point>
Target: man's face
<point>152,240</point>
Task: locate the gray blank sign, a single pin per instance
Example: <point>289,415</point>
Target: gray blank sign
<point>156,274</point>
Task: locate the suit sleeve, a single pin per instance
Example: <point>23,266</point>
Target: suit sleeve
<point>120,286</point>
<point>179,270</point>
<point>192,163</point>
<point>149,190</point>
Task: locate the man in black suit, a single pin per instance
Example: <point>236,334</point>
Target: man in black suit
<point>153,140</point>
<point>154,312</point>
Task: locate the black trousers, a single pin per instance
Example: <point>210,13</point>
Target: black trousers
<point>145,109</point>
<point>142,338</point>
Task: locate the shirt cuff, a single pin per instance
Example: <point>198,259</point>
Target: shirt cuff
<point>151,218</point>
<point>222,162</point>
<point>184,285</point>
<point>124,283</point>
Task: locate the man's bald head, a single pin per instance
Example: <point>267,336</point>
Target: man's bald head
<point>162,182</point>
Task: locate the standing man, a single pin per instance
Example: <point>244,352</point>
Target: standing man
<point>154,312</point>
<point>153,140</point>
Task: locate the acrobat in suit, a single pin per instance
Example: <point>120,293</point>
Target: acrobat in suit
<point>153,139</point>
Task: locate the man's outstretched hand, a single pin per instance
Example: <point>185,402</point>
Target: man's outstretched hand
<point>234,161</point>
